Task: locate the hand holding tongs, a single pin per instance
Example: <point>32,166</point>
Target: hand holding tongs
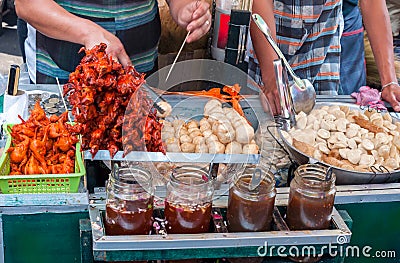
<point>302,91</point>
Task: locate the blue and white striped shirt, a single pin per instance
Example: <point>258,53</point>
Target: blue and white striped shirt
<point>308,33</point>
<point>135,22</point>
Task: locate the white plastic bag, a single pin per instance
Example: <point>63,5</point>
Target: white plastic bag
<point>3,84</point>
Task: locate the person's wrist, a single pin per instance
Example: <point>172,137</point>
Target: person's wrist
<point>90,32</point>
<point>390,84</point>
<point>269,83</point>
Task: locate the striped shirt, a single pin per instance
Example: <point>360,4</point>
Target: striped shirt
<point>135,22</point>
<point>308,33</point>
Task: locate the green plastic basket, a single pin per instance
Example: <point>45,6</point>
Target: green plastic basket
<point>41,183</point>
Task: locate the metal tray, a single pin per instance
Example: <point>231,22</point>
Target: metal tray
<point>344,177</point>
<point>146,247</point>
<point>340,234</point>
<point>175,157</point>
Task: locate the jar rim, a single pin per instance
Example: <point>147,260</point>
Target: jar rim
<point>190,171</point>
<point>267,177</point>
<point>314,176</point>
<point>134,176</point>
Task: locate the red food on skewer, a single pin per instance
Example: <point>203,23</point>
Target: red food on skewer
<point>99,91</point>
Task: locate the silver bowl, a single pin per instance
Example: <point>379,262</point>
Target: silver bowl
<point>345,177</point>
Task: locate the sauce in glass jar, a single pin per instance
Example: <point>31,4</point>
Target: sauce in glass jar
<point>250,209</point>
<point>189,201</point>
<point>129,205</point>
<point>188,219</point>
<point>311,198</point>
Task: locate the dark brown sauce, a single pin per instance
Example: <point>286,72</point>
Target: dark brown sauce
<point>306,213</point>
<point>250,215</point>
<point>131,218</point>
<point>185,219</point>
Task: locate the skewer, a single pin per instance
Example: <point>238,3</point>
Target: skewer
<point>62,98</point>
<point>181,48</point>
<point>177,55</point>
<point>69,118</point>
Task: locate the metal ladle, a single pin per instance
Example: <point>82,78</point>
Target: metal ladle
<point>302,91</point>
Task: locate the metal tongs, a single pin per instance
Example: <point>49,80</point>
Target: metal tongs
<point>285,98</point>
<point>302,91</point>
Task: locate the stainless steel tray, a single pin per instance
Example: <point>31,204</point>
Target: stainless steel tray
<point>140,247</point>
<point>175,157</point>
<point>344,177</point>
<point>101,242</point>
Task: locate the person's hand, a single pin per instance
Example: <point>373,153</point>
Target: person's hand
<point>271,93</point>
<point>391,94</point>
<point>196,18</point>
<point>115,48</point>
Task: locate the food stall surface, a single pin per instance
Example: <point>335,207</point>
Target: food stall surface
<point>221,242</point>
<point>360,203</point>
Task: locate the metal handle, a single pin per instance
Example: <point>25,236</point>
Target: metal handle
<point>285,97</point>
<point>255,179</point>
<point>241,44</point>
<point>267,33</point>
<point>13,79</point>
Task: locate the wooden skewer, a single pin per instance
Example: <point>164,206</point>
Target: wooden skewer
<point>62,98</point>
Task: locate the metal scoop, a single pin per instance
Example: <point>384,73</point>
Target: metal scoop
<point>255,179</point>
<point>302,91</point>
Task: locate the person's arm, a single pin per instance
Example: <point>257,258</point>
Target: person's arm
<point>377,23</point>
<point>52,20</point>
<point>264,52</point>
<point>193,15</point>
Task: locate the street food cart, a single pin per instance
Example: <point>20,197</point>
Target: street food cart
<point>68,226</point>
<point>64,226</point>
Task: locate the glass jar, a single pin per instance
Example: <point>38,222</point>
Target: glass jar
<point>250,208</point>
<point>188,201</point>
<point>129,204</point>
<point>311,198</point>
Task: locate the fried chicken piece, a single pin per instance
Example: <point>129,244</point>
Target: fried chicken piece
<point>368,125</point>
<point>304,147</point>
<point>335,154</point>
<point>333,161</point>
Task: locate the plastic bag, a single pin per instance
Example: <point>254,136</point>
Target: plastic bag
<point>3,83</point>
